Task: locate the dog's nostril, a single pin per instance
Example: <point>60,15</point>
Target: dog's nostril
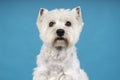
<point>60,32</point>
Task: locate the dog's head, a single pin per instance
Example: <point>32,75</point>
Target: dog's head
<point>60,27</point>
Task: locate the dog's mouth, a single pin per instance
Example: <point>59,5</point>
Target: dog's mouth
<point>60,42</point>
<point>60,38</point>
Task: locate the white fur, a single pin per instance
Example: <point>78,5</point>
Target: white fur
<point>53,64</point>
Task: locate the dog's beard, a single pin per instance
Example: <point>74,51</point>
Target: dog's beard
<point>60,42</point>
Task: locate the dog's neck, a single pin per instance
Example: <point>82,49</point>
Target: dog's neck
<point>57,54</point>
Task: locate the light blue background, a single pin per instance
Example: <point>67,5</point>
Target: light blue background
<point>98,49</point>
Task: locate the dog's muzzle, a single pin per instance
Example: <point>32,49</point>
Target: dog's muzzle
<point>60,42</point>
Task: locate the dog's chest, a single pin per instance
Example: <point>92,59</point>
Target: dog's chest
<point>58,65</point>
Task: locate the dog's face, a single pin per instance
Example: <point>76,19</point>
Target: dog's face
<point>60,27</point>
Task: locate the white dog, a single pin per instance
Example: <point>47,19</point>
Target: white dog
<point>59,30</point>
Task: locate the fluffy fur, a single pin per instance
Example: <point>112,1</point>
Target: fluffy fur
<point>58,58</point>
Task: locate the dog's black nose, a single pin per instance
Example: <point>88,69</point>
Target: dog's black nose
<point>60,32</point>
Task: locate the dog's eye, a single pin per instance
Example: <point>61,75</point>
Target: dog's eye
<point>51,24</point>
<point>68,23</point>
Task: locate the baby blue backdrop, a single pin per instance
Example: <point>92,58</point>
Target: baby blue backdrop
<point>98,47</point>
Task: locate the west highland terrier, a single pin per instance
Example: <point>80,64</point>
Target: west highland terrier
<point>59,30</point>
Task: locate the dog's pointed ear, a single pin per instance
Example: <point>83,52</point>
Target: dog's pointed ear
<point>77,10</point>
<point>39,19</point>
<point>43,11</point>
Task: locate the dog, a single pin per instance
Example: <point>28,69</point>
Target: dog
<point>59,30</point>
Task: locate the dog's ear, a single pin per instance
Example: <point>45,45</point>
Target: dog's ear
<point>77,10</point>
<point>42,11</point>
<point>39,20</point>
